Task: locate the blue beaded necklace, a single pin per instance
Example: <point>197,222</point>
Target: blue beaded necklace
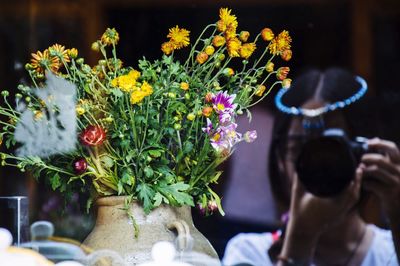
<point>311,113</point>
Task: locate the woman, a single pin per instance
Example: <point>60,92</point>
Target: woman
<point>325,230</point>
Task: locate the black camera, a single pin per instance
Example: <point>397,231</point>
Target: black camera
<point>326,164</point>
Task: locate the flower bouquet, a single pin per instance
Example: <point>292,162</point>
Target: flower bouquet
<point>155,132</point>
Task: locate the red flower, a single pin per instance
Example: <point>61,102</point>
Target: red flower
<point>93,136</point>
<point>80,166</point>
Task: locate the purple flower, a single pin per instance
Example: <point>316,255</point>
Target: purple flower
<point>225,118</point>
<point>208,128</point>
<point>222,102</point>
<point>250,136</point>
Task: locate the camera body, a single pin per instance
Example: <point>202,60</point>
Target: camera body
<point>326,164</point>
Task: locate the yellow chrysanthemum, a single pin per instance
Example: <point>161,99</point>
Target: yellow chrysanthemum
<point>184,86</point>
<point>218,41</point>
<point>246,50</point>
<point>209,50</point>
<point>233,46</point>
<point>126,82</point>
<point>280,43</point>
<point>230,33</point>
<point>244,36</point>
<point>179,37</point>
<point>43,61</point>
<point>59,51</point>
<point>167,48</point>
<point>269,67</point>
<point>80,110</point>
<point>137,97</point>
<point>73,53</point>
<point>226,20</point>
<point>110,37</point>
<point>146,88</point>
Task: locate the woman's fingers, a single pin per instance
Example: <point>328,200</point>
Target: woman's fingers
<point>380,174</point>
<point>383,161</point>
<point>388,147</point>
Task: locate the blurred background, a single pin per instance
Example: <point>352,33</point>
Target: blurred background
<point>360,35</point>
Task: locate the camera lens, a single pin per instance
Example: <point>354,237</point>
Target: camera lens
<point>326,165</point>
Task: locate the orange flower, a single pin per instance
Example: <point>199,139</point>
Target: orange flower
<point>167,48</point>
<point>267,34</point>
<point>280,43</point>
<point>282,73</point>
<point>246,50</point>
<point>42,61</point>
<point>229,72</point>
<point>218,41</point>
<point>179,37</point>
<point>208,97</point>
<point>207,111</point>
<point>59,51</point>
<point>201,57</point>
<point>286,55</point>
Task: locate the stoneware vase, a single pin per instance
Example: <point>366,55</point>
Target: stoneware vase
<point>114,230</point>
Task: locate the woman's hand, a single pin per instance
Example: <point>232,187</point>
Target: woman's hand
<point>381,174</point>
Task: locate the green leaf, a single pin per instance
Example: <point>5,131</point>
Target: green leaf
<point>146,195</point>
<point>117,92</point>
<point>178,192</point>
<point>148,171</point>
<point>155,153</point>
<point>187,147</point>
<point>55,181</point>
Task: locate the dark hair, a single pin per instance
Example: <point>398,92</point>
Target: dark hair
<point>338,84</point>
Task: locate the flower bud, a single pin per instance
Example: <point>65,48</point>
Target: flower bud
<point>95,46</point>
<point>209,50</point>
<point>286,55</point>
<point>208,97</point>
<point>218,41</point>
<point>207,111</point>
<point>269,67</point>
<point>201,57</point>
<point>267,34</point>
<point>184,86</point>
<point>244,36</point>
<point>191,116</point>
<point>5,93</point>
<point>73,53</point>
<point>286,83</point>
<point>80,61</point>
<point>229,72</point>
<point>177,126</point>
<point>212,206</point>
<point>93,136</point>
<point>80,166</point>
<point>260,90</point>
<point>187,96</point>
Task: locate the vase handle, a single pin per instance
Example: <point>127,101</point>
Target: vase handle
<point>184,238</point>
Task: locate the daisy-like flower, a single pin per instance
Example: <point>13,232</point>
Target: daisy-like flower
<point>59,51</point>
<point>146,88</point>
<point>225,118</point>
<point>223,102</point>
<point>250,136</point>
<point>126,82</point>
<point>167,48</point>
<point>43,61</point>
<point>137,96</point>
<point>280,43</point>
<point>233,46</point>
<point>110,37</point>
<point>246,50</point>
<point>282,73</point>
<point>179,37</point>
<point>226,20</point>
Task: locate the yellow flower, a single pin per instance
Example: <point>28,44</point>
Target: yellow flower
<point>73,53</point>
<point>42,61</point>
<point>201,57</point>
<point>80,110</point>
<point>179,37</point>
<point>286,83</point>
<point>167,48</point>
<point>59,51</point>
<point>230,32</point>
<point>146,88</point>
<point>280,43</point>
<point>282,73</point>
<point>191,116</point>
<point>260,90</point>
<point>207,111</point>
<point>110,37</point>
<point>38,115</point>
<point>137,96</point>
<point>244,36</point>
<point>184,86</point>
<point>218,41</point>
<point>267,34</point>
<point>226,20</point>
<point>269,66</point>
<point>126,82</point>
<point>246,50</point>
<point>233,46</point>
<point>209,50</point>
